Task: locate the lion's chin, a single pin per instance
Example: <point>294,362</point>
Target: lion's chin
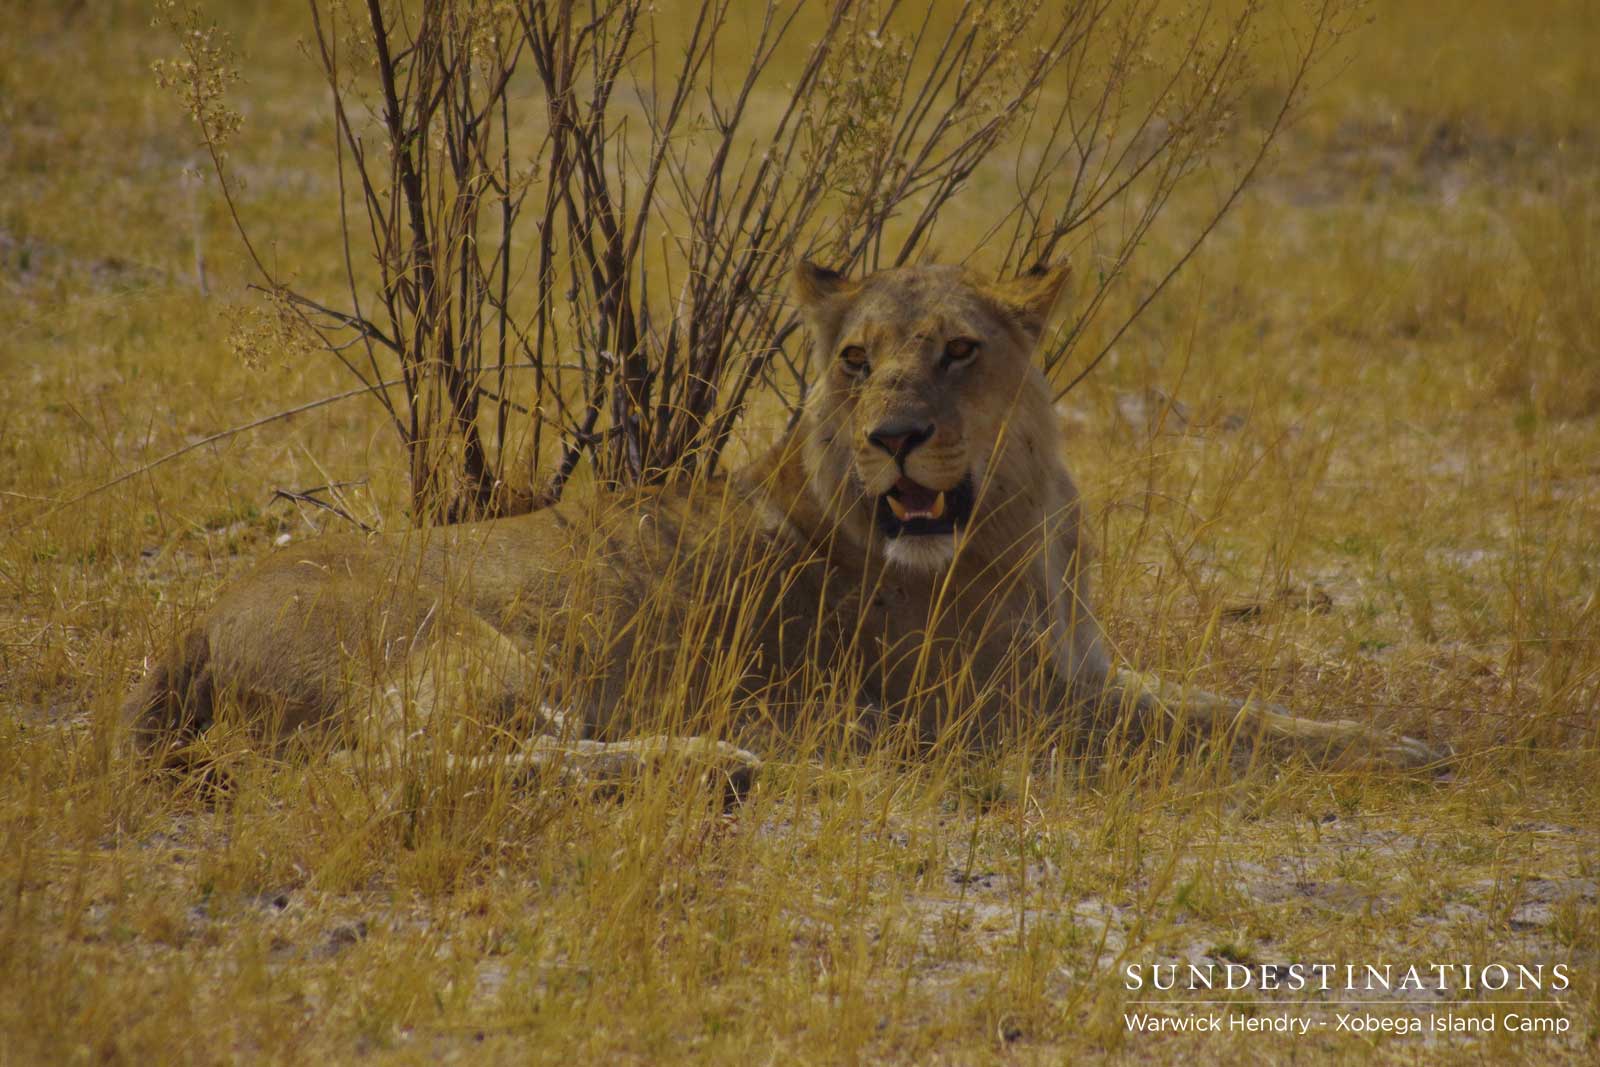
<point>921,552</point>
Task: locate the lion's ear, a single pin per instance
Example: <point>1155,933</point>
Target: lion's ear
<point>814,284</point>
<point>822,294</point>
<point>1031,296</point>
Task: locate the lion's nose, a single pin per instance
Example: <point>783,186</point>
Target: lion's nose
<point>900,438</point>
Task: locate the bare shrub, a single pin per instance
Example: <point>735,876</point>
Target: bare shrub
<point>568,224</point>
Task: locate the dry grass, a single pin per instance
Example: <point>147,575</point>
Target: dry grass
<point>1387,376</point>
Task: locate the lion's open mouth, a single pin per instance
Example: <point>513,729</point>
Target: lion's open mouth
<point>912,509</point>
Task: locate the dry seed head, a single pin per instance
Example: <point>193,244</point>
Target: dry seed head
<point>269,328</point>
<point>202,76</point>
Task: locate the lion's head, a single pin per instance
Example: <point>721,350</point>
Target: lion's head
<point>931,424</point>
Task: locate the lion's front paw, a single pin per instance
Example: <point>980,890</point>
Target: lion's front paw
<point>610,765</point>
<point>738,768</point>
<point>720,764</point>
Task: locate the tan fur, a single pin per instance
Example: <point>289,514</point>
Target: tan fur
<point>778,590</point>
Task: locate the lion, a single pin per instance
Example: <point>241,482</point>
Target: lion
<point>909,555</point>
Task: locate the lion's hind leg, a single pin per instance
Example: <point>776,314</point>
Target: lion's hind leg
<point>1340,743</point>
<point>471,705</point>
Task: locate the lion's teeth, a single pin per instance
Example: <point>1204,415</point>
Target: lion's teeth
<point>898,508</point>
<point>938,506</point>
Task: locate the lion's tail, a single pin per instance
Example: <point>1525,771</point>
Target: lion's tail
<point>177,698</point>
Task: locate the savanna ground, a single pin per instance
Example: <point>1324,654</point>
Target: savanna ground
<point>1351,459</point>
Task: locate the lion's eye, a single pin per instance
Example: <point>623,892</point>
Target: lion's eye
<point>854,359</point>
<point>960,350</point>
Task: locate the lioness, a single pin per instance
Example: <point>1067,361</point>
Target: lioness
<point>909,555</point>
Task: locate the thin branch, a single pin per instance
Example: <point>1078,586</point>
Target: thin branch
<point>309,496</point>
<point>220,435</point>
